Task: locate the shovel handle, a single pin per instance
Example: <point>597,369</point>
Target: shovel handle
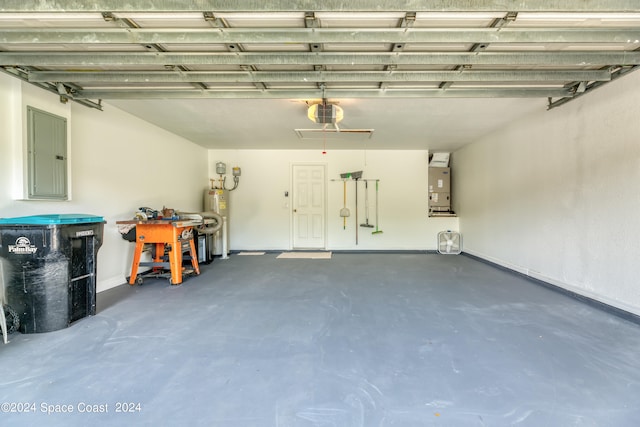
<point>344,200</point>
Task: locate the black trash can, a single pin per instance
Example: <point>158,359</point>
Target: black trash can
<point>49,268</point>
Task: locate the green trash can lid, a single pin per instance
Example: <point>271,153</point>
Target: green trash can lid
<point>52,219</point>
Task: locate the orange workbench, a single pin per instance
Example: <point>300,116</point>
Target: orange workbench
<point>162,232</point>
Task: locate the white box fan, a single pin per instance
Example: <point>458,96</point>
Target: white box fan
<point>449,242</point>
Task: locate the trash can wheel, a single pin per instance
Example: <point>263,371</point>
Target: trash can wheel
<point>13,320</point>
<point>139,280</point>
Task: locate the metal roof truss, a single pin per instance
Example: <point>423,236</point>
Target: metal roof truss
<point>90,51</point>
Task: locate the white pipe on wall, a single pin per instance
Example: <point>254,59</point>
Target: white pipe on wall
<point>225,250</point>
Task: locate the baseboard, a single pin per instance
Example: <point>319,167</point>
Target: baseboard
<point>597,301</point>
<point>344,251</point>
<point>383,251</point>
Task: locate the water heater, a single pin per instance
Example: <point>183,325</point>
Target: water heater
<point>217,200</point>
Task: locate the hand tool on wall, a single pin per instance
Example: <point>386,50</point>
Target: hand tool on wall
<point>356,210</point>
<point>366,205</point>
<point>376,231</point>
<point>356,176</point>
<point>344,212</point>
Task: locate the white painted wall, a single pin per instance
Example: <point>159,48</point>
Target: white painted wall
<point>556,195</point>
<point>261,215</point>
<point>10,131</point>
<point>117,161</point>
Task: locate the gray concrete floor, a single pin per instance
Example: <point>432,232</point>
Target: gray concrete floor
<point>358,340</point>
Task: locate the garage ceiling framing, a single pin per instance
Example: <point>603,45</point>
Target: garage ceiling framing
<point>117,49</point>
<point>326,5</point>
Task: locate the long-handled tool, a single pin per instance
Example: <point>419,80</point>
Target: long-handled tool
<point>344,212</point>
<point>366,205</point>
<point>356,176</point>
<point>376,231</point>
<point>356,210</point>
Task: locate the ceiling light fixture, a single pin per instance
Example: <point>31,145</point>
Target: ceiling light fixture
<point>325,113</point>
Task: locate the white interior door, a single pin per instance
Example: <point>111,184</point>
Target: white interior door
<point>309,212</point>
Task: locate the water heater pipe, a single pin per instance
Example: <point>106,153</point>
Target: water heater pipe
<point>225,251</point>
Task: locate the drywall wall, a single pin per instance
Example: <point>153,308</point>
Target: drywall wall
<point>261,214</point>
<point>118,163</point>
<point>556,197</point>
<point>10,132</point>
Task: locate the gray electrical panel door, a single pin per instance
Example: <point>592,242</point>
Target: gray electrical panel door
<point>47,140</point>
